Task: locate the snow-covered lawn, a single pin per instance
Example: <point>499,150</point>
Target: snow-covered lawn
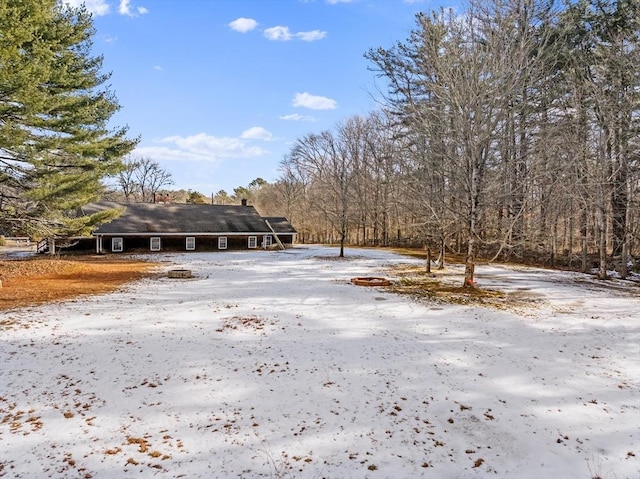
<point>272,364</point>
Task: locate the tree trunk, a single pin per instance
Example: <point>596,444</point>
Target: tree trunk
<point>619,205</point>
<point>570,241</point>
<point>428,266</point>
<point>474,213</point>
<point>470,259</point>
<point>584,228</point>
<point>624,269</point>
<point>469,265</point>
<point>343,236</point>
<point>602,244</point>
<point>554,243</point>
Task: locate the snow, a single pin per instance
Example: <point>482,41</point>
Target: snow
<point>272,364</point>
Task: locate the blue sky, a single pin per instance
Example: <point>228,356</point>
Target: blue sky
<point>218,90</point>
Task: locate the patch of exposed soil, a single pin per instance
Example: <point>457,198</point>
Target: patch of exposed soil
<point>441,287</point>
<point>42,279</point>
<point>254,323</point>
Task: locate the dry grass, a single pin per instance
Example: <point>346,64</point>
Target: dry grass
<point>43,279</point>
<point>443,287</point>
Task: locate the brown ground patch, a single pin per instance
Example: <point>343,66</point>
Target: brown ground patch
<point>43,279</point>
<point>443,287</point>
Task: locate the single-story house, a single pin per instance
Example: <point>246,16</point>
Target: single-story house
<point>188,227</point>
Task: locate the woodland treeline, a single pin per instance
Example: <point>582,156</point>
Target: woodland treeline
<point>509,132</point>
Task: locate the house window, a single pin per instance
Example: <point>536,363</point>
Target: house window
<point>268,240</point>
<point>155,244</point>
<point>117,245</point>
<point>191,243</point>
<point>222,242</point>
<point>253,241</point>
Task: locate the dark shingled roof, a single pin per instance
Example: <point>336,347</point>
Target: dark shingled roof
<point>141,218</point>
<point>280,224</point>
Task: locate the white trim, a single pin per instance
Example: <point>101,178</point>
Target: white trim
<point>154,247</point>
<point>268,240</point>
<point>222,242</point>
<point>120,245</point>
<point>190,243</point>
<point>252,242</point>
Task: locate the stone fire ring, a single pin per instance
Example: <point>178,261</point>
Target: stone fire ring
<point>179,273</point>
<point>370,281</point>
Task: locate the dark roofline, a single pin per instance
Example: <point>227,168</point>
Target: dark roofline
<point>181,219</point>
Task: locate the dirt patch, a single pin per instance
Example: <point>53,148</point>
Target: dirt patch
<point>42,279</point>
<point>254,323</point>
<point>442,287</point>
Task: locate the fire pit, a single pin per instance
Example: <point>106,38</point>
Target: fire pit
<point>370,281</point>
<point>180,273</point>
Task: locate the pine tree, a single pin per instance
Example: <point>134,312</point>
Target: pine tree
<point>55,142</point>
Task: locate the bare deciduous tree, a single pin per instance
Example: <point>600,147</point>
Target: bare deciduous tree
<point>511,131</point>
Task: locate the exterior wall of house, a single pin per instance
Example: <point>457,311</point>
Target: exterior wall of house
<point>142,244</point>
<point>286,239</point>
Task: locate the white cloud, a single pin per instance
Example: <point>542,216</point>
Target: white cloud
<point>278,33</point>
<point>311,36</point>
<point>243,25</point>
<point>109,38</point>
<point>125,9</point>
<point>97,7</point>
<point>283,34</point>
<point>157,67</point>
<point>297,117</point>
<point>203,147</point>
<point>171,154</point>
<point>256,133</point>
<point>314,102</point>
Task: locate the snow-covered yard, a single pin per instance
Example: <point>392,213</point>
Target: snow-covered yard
<point>272,364</point>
